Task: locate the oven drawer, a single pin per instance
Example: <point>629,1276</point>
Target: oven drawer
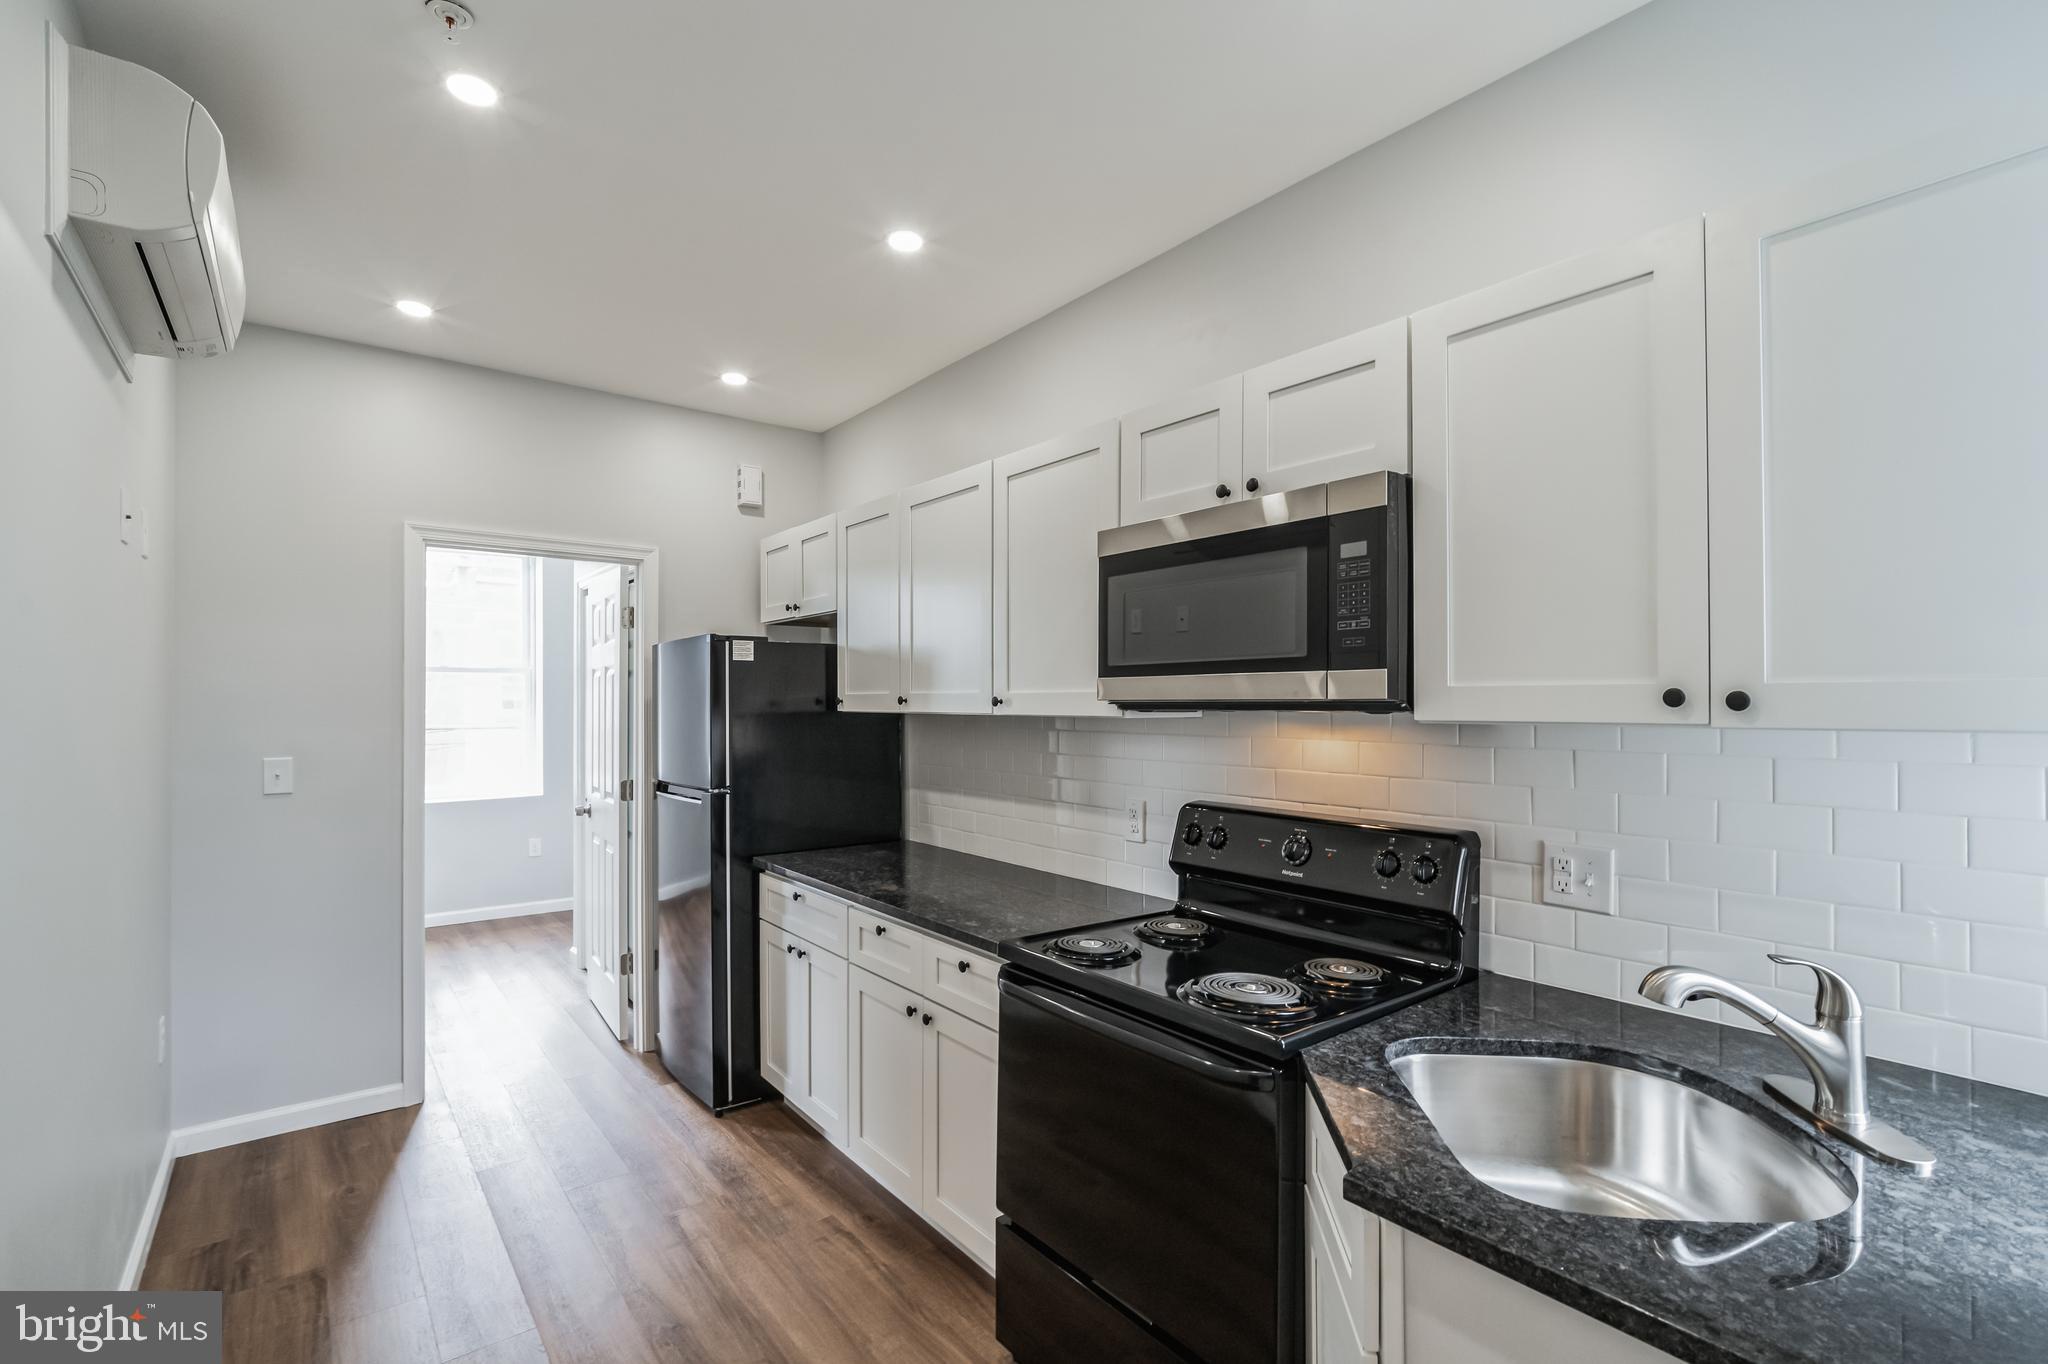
<point>1132,1153</point>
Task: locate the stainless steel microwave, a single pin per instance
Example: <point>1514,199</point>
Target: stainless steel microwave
<point>1297,599</point>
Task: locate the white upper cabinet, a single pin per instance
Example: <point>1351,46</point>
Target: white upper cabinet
<point>1332,412</point>
<point>779,577</point>
<point>798,571</point>
<point>868,627</point>
<point>945,614</point>
<point>1879,341</point>
<point>1186,454</point>
<point>1560,499</point>
<point>1050,500</point>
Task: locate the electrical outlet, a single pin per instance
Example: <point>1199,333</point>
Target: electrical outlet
<point>277,776</point>
<point>1134,820</point>
<point>1578,877</point>
<point>163,1038</point>
<point>533,847</point>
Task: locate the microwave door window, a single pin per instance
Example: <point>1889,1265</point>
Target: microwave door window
<point>1250,608</point>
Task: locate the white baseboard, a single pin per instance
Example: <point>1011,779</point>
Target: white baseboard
<point>208,1136</point>
<point>152,1208</point>
<point>518,911</point>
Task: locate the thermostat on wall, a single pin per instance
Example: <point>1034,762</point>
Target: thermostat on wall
<point>750,485</point>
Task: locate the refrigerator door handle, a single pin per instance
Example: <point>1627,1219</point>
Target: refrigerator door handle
<point>674,795</point>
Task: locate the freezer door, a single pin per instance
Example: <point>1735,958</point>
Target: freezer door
<point>687,674</point>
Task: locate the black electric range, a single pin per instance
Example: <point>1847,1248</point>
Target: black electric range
<point>1149,1106</point>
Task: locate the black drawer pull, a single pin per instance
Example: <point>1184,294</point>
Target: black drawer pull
<point>927,1020</point>
<point>880,929</point>
<point>965,967</point>
<point>910,1011</point>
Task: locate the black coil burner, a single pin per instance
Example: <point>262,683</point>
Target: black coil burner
<point>1259,998</point>
<point>1343,977</point>
<point>1177,930</point>
<point>1093,949</point>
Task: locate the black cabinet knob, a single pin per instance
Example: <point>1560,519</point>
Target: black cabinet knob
<point>790,948</point>
<point>796,895</point>
<point>1674,697</point>
<point>1738,700</point>
<point>1251,485</point>
<point>995,700</point>
<point>902,700</point>
<point>927,1020</point>
<point>965,967</point>
<point>801,954</point>
<point>1222,490</point>
<point>910,1011</point>
<point>880,929</point>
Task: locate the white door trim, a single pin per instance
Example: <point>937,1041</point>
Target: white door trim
<point>413,791</point>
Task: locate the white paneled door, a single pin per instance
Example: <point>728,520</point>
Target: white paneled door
<point>1333,412</point>
<point>944,590</point>
<point>1184,454</point>
<point>1050,500</point>
<point>1560,494</point>
<point>869,625</point>
<point>1879,453</point>
<point>602,882</point>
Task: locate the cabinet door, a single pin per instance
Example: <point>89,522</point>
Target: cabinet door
<point>778,577</point>
<point>869,655</point>
<point>1050,500</point>
<point>1332,412</point>
<point>1332,1334</point>
<point>885,1083</point>
<point>946,617</point>
<point>824,1042</point>
<point>960,1131</point>
<point>1183,455</point>
<point>1560,496</point>
<point>817,567</point>
<point>1880,447</point>
<point>778,1011</point>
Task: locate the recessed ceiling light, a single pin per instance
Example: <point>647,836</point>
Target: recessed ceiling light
<point>905,241</point>
<point>472,89</point>
<point>732,378</point>
<point>412,307</point>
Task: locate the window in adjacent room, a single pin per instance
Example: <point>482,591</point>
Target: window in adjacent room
<point>483,675</point>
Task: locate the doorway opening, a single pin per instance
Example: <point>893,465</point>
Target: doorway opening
<point>526,723</point>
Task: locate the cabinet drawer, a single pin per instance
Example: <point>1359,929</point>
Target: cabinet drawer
<point>890,950</point>
<point>962,980</point>
<point>1351,1235</point>
<point>810,914</point>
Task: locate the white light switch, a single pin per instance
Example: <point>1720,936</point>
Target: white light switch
<point>1578,877</point>
<point>277,776</point>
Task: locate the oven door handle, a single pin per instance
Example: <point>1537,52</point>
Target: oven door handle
<point>1131,1033</point>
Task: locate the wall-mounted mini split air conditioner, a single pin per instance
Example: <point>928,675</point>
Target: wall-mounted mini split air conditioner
<point>139,207</point>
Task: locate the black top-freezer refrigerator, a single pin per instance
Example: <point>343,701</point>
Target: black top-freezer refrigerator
<point>752,755</point>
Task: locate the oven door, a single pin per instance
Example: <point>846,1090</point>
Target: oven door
<point>1163,1176</point>
<point>1222,606</point>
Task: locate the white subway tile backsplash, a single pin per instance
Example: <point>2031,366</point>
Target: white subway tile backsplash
<point>1842,880</point>
<point>2004,1059</point>
<point>1974,789</point>
<point>1804,923</point>
<point>1902,837</point>
<point>1980,1001</point>
<point>1721,778</point>
<point>1917,938</point>
<point>1895,857</point>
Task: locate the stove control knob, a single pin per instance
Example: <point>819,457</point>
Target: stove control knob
<point>1296,849</point>
<point>1425,869</point>
<point>1192,834</point>
<point>1389,863</point>
<point>1218,836</point>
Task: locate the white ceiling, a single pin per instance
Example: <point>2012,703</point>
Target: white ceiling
<point>670,189</point>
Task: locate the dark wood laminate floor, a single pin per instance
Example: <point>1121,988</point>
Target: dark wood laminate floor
<point>557,1197</point>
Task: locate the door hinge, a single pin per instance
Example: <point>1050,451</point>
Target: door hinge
<point>629,617</point>
<point>625,963</point>
<point>626,789</point>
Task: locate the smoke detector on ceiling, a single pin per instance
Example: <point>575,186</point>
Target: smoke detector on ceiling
<point>449,18</point>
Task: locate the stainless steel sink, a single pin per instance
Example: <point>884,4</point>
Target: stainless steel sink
<point>1590,1137</point>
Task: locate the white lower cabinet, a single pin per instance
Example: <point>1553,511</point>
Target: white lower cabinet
<point>921,1110</point>
<point>803,1028</point>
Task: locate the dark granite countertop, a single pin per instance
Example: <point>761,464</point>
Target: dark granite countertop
<point>1953,1267</point>
<point>975,901</point>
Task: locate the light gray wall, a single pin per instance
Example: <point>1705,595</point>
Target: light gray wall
<point>1674,109</point>
<point>300,460</point>
<point>84,726</point>
<point>475,854</point>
